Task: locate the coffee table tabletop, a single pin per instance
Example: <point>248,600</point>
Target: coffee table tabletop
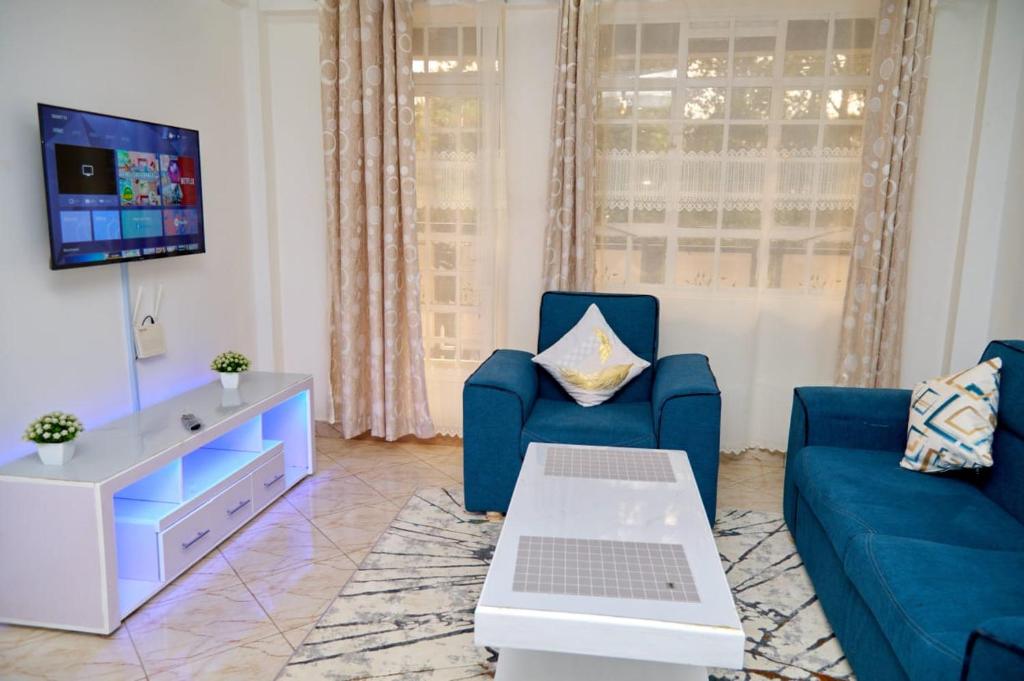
<point>607,553</point>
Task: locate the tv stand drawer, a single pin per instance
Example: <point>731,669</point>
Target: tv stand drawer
<point>192,537</point>
<point>268,481</point>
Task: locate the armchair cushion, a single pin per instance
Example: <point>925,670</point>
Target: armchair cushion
<point>613,424</point>
<point>856,491</point>
<point>928,597</point>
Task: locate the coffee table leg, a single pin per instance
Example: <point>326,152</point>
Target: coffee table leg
<point>532,665</point>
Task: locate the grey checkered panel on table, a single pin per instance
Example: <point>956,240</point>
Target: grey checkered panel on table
<point>609,464</point>
<point>609,569</point>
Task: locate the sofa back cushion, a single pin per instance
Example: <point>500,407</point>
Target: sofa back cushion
<point>634,318</point>
<point>1004,483</point>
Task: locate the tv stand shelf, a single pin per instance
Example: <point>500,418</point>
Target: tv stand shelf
<point>87,543</point>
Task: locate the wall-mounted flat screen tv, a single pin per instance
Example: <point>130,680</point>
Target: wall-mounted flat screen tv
<point>119,189</point>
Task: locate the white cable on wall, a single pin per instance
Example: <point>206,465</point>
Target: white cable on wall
<point>129,336</point>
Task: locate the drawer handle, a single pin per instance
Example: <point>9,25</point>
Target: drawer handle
<point>187,544</point>
<point>241,505</point>
<point>273,480</point>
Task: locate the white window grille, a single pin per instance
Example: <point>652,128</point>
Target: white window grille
<point>729,148</point>
<point>458,212</point>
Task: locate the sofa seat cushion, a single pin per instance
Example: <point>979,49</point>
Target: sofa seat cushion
<point>618,424</point>
<point>853,491</point>
<point>928,597</point>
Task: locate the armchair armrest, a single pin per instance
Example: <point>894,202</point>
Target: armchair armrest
<point>512,372</point>
<point>679,376</point>
<point>686,407</point>
<point>863,418</point>
<point>496,401</point>
<point>995,650</point>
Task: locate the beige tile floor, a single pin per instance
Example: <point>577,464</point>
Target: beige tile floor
<point>238,614</point>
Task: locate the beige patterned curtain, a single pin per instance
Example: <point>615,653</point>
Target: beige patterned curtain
<point>569,242</point>
<point>377,375</point>
<point>872,332</point>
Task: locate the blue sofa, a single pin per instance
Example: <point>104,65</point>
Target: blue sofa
<point>920,575</point>
<point>510,402</point>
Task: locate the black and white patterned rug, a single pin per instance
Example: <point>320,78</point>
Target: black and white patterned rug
<point>407,613</point>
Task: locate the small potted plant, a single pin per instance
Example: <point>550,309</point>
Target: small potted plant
<point>229,365</point>
<point>55,434</point>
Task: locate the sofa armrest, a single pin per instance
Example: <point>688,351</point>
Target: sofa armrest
<point>995,650</point>
<point>687,411</point>
<point>862,418</point>
<point>512,372</point>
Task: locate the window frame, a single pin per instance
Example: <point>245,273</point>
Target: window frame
<point>768,232</point>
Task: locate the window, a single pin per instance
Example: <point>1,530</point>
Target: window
<point>457,101</point>
<point>729,150</point>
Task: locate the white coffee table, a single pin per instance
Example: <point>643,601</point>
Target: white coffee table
<point>606,568</point>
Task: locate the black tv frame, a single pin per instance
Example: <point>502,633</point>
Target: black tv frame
<point>46,185</point>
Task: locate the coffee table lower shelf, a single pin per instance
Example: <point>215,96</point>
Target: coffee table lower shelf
<point>515,664</point>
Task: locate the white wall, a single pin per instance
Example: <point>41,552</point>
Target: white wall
<point>1007,304</point>
<point>529,85</point>
<point>966,242</point>
<point>290,111</point>
<point>62,343</point>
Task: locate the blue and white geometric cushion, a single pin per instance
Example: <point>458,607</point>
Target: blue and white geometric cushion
<point>953,420</point>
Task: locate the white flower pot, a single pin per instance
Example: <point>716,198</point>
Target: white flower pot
<point>229,380</point>
<point>230,398</point>
<point>56,454</point>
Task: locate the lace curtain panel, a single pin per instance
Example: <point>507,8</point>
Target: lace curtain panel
<point>460,209</point>
<point>728,140</point>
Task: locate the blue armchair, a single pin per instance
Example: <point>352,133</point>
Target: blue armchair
<point>510,402</point>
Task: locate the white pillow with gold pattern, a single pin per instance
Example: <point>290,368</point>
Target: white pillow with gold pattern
<point>590,361</point>
<point>953,420</point>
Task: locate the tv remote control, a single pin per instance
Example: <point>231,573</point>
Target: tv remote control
<point>190,422</point>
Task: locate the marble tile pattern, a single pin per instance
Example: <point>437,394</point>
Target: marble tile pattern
<point>240,612</point>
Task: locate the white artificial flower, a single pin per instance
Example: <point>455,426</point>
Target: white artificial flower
<point>46,435</point>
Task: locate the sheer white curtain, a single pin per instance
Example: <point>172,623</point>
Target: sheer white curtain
<point>729,140</point>
<point>457,77</point>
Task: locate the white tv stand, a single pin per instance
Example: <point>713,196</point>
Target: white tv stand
<point>85,544</point>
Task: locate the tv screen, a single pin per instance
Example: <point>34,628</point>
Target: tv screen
<point>119,189</point>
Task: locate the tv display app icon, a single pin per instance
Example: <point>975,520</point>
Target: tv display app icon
<point>180,222</point>
<point>106,225</point>
<point>138,224</point>
<point>75,226</point>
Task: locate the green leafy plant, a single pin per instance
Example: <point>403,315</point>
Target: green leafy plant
<point>230,362</point>
<point>54,428</point>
